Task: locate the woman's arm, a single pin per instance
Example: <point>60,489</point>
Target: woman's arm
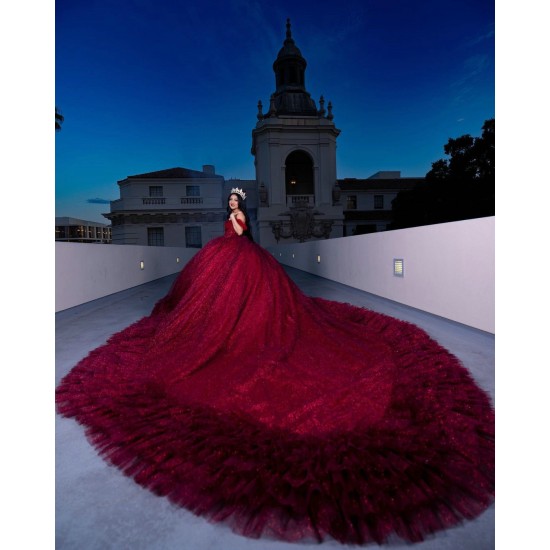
<point>238,228</point>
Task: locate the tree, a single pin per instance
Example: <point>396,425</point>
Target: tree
<point>59,118</point>
<point>458,188</point>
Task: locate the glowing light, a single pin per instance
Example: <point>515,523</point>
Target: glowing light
<point>398,267</point>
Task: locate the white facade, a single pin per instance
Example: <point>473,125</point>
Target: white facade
<point>294,146</point>
<point>174,207</point>
<point>274,140</point>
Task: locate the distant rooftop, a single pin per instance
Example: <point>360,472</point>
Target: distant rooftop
<point>379,182</point>
<point>66,220</point>
<point>208,170</point>
<point>386,174</point>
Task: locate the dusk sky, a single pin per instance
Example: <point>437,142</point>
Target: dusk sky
<point>147,85</point>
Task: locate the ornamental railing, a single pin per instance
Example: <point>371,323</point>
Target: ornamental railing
<point>300,200</point>
<point>191,200</point>
<point>154,200</point>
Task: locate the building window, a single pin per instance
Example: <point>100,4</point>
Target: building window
<point>75,231</point>
<point>193,190</point>
<point>378,201</point>
<point>352,202</point>
<point>193,237</point>
<point>155,190</point>
<point>155,236</point>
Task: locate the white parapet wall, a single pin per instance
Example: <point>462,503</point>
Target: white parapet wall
<point>448,268</point>
<point>85,271</point>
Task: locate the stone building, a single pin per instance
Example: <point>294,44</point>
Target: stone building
<point>294,148</point>
<point>295,197</point>
<point>76,230</point>
<point>368,202</point>
<point>172,207</point>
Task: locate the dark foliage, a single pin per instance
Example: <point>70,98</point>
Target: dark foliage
<point>59,118</point>
<point>458,188</point>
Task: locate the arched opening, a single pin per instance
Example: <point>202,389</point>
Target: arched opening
<point>299,175</point>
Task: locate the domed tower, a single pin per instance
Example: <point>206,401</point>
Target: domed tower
<point>294,145</point>
<point>291,97</point>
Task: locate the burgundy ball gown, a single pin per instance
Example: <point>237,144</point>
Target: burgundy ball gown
<point>246,401</point>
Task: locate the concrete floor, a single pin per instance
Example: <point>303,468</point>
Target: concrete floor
<point>98,508</point>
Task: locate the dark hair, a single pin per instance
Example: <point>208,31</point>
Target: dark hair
<point>242,208</point>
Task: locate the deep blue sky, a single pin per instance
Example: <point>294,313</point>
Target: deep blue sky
<point>146,85</point>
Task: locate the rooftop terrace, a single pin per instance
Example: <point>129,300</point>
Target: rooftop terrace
<point>98,508</point>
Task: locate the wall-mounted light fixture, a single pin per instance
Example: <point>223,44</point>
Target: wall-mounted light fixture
<point>141,265</point>
<point>177,260</point>
<point>398,267</point>
<point>293,255</point>
<point>318,259</point>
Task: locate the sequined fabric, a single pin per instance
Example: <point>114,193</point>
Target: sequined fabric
<point>246,401</point>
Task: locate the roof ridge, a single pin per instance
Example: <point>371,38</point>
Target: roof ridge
<point>176,172</point>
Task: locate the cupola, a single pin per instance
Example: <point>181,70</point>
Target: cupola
<point>290,97</point>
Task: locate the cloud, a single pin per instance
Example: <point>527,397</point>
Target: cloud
<point>489,35</point>
<point>473,69</point>
<point>98,201</point>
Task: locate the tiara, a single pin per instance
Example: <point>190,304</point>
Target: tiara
<point>239,192</point>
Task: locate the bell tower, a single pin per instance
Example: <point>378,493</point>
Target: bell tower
<point>294,148</point>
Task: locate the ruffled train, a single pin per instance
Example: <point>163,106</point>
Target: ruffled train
<point>247,402</point>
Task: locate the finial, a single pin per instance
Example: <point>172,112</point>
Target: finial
<point>330,116</point>
<point>322,105</point>
<point>288,34</point>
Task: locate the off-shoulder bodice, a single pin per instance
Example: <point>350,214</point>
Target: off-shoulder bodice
<point>229,231</point>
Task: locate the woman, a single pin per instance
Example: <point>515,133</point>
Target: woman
<point>246,401</point>
<point>237,211</point>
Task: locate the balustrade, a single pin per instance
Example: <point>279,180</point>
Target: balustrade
<point>191,200</point>
<point>300,200</point>
<point>154,200</point>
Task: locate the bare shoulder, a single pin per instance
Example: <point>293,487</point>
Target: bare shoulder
<point>241,217</point>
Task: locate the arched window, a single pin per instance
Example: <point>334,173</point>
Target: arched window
<point>299,174</point>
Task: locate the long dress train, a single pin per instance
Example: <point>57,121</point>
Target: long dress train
<point>246,401</point>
